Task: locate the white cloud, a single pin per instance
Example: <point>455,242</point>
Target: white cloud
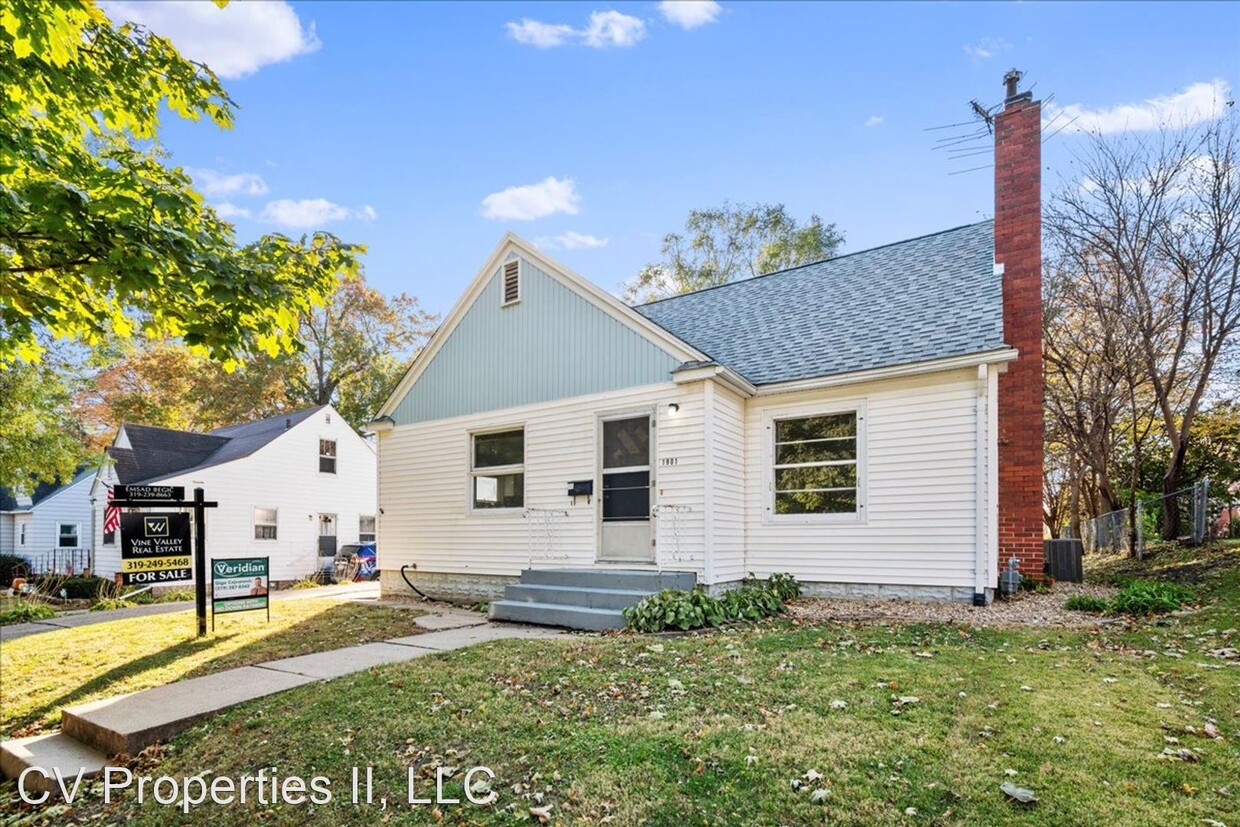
<point>211,182</point>
<point>612,28</point>
<point>234,41</point>
<point>542,35</point>
<point>604,29</point>
<point>1193,104</point>
<point>986,48</point>
<point>229,211</point>
<point>874,120</point>
<point>571,240</point>
<point>309,213</point>
<point>525,203</point>
<point>689,14</point>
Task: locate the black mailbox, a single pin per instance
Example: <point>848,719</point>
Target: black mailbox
<point>581,488</point>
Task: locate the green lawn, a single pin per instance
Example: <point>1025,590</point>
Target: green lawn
<point>713,728</point>
<point>41,673</point>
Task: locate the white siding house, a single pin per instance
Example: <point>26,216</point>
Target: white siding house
<point>50,528</point>
<point>918,517</point>
<point>286,486</point>
<point>857,422</point>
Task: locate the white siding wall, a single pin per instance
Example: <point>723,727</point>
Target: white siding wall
<point>283,475</point>
<point>921,482</point>
<point>424,486</point>
<point>68,505</point>
<point>727,436</point>
<point>7,538</point>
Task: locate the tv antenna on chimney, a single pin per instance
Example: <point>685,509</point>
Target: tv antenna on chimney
<point>974,138</point>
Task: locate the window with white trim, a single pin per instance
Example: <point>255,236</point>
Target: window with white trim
<point>327,456</point>
<point>510,289</point>
<point>497,469</point>
<point>21,537</point>
<point>265,523</point>
<point>66,535</point>
<point>816,467</point>
<point>366,529</point>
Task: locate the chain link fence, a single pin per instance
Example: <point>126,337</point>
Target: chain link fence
<point>1182,516</point>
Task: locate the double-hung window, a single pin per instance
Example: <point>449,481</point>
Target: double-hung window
<point>365,529</point>
<point>817,466</point>
<point>497,470</point>
<point>265,523</point>
<point>327,456</point>
<point>67,535</point>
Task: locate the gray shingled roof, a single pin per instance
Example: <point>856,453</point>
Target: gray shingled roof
<point>10,500</point>
<point>155,453</point>
<point>924,298</point>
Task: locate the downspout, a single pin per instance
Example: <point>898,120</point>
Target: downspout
<point>982,491</point>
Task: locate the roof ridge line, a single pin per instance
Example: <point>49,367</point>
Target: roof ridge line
<point>819,261</point>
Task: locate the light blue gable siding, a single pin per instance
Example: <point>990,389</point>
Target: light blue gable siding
<point>553,344</point>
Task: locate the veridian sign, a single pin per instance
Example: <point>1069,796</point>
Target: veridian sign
<point>239,584</point>
<point>145,493</point>
<point>155,548</point>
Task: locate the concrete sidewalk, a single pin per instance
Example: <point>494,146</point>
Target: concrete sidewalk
<point>93,732</point>
<point>355,592</point>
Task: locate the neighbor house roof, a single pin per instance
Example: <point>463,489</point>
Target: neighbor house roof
<point>12,501</point>
<point>155,453</point>
<point>926,298</point>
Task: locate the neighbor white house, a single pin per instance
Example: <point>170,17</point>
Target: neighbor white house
<point>292,487</point>
<point>870,423</point>
<point>49,527</point>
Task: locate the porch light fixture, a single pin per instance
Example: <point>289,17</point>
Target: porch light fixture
<point>673,408</point>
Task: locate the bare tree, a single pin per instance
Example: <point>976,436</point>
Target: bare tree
<point>1164,215</point>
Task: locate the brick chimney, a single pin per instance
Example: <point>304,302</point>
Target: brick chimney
<point>1018,250</point>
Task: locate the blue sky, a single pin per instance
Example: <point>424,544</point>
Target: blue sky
<point>391,123</point>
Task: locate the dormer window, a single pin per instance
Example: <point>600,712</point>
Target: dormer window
<point>511,293</point>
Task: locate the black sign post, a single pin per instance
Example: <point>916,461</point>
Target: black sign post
<point>145,532</point>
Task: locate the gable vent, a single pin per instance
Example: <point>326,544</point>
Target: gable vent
<point>512,282</point>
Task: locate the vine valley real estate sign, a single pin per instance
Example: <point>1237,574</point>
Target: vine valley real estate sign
<point>239,585</point>
<point>155,548</point>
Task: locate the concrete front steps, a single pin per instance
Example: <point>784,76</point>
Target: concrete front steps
<point>586,599</point>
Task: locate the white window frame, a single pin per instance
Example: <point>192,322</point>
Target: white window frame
<point>520,282</point>
<point>274,524</point>
<point>770,417</point>
<point>21,532</point>
<point>334,457</point>
<point>374,528</point>
<point>495,470</point>
<point>77,533</point>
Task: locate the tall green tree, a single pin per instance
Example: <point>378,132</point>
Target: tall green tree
<point>99,236</point>
<point>40,436</point>
<point>732,242</point>
<point>356,347</point>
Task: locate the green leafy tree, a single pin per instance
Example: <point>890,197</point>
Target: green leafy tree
<point>732,242</point>
<point>98,235</point>
<point>356,347</point>
<point>40,437</point>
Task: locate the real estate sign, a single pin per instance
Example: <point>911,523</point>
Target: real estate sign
<point>239,584</point>
<point>139,493</point>
<point>155,548</point>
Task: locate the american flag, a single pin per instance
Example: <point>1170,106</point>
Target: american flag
<point>111,515</point>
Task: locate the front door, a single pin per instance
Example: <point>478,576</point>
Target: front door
<point>625,512</point>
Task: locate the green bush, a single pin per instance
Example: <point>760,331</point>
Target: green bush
<point>1143,597</point>
<point>670,609</point>
<point>1087,603</point>
<point>9,564</point>
<point>24,611</point>
<point>83,588</point>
